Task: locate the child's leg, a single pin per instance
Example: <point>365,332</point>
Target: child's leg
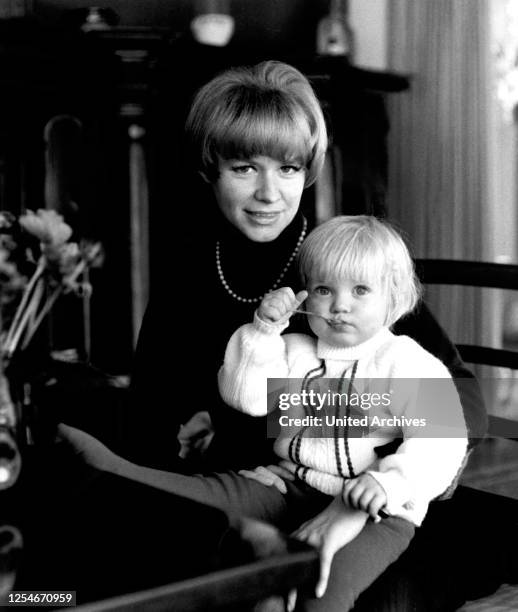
<point>357,565</point>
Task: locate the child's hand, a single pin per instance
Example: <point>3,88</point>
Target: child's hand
<point>278,306</point>
<point>365,493</point>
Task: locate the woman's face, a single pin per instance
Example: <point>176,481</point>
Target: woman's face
<point>259,196</point>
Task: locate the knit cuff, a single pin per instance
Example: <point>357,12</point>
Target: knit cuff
<point>396,489</point>
<point>268,328</point>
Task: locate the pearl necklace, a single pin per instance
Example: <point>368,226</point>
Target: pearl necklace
<point>275,284</point>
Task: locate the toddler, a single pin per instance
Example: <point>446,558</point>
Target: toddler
<point>359,280</point>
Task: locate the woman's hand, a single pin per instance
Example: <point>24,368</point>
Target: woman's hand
<point>279,305</point>
<point>271,476</point>
<point>196,435</point>
<point>365,493</point>
<point>330,531</point>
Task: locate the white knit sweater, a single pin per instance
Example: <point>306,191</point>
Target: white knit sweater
<point>421,390</point>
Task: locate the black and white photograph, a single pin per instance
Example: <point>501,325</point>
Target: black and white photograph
<point>259,305</point>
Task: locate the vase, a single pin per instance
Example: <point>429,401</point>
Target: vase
<point>334,34</point>
<point>10,457</point>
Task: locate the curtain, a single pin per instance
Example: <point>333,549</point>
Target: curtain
<point>438,151</point>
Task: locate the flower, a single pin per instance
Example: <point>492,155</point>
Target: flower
<point>48,226</point>
<point>37,265</point>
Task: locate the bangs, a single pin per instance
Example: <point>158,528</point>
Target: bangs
<point>262,123</point>
<point>366,250</point>
<point>354,254</point>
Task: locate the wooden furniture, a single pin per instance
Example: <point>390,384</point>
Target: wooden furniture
<point>483,275</point>
<point>236,589</point>
<point>492,470</point>
<point>123,546</point>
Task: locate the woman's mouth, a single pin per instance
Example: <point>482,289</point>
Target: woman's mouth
<point>263,218</point>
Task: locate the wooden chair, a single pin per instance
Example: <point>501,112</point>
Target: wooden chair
<point>493,465</point>
<point>483,275</point>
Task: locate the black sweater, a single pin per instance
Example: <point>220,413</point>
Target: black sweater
<point>183,338</point>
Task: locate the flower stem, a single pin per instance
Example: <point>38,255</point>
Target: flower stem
<point>24,318</point>
<point>42,314</point>
<point>23,303</point>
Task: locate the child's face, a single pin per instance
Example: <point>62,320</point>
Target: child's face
<point>356,310</point>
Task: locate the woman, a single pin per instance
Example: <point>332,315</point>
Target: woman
<point>257,138</point>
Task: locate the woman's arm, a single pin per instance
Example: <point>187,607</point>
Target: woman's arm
<point>329,531</point>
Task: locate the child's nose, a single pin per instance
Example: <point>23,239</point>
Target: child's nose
<point>342,302</point>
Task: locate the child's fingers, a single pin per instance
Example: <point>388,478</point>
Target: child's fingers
<point>376,504</point>
<point>349,485</point>
<point>278,305</point>
<point>352,493</point>
<point>300,297</point>
<point>365,499</point>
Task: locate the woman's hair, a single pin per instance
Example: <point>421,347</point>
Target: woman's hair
<point>368,250</point>
<point>268,109</point>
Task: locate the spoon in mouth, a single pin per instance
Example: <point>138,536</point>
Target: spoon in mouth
<point>314,314</point>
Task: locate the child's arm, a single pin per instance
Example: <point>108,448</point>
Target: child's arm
<point>256,352</point>
<point>434,443</point>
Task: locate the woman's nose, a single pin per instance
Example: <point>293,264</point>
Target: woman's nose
<point>266,189</point>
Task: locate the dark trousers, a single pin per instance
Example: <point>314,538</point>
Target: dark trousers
<point>354,567</point>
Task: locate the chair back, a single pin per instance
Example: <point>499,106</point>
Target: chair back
<point>483,275</point>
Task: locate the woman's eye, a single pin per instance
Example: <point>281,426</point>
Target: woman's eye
<point>361,290</point>
<point>289,169</point>
<point>242,168</point>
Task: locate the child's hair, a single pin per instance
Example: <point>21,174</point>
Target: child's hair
<point>268,109</point>
<point>367,249</point>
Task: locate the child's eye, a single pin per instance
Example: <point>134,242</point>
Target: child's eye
<point>321,290</point>
<point>361,290</point>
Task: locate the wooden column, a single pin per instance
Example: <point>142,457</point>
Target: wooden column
<point>139,225</point>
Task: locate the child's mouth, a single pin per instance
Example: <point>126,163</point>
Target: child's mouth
<point>339,323</point>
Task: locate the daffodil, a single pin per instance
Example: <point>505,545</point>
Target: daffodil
<point>48,226</point>
<point>59,267</point>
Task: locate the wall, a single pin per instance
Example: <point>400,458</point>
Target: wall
<point>369,20</point>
